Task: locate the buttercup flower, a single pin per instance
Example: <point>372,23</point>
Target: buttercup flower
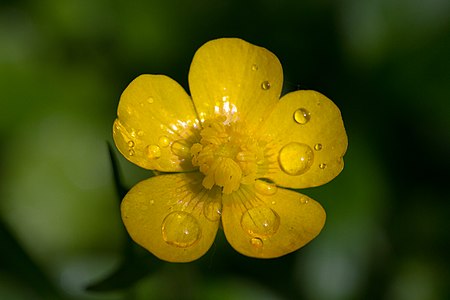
<point>229,151</point>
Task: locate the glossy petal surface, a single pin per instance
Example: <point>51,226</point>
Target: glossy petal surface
<point>307,140</point>
<point>156,124</point>
<point>265,222</point>
<point>234,78</point>
<point>172,216</point>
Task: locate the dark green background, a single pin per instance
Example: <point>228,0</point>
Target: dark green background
<point>63,66</point>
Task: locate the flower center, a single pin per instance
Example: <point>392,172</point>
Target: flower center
<point>226,155</point>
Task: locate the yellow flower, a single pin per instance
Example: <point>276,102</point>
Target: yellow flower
<point>228,149</point>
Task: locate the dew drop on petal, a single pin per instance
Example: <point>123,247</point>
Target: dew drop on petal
<point>303,200</point>
<point>260,221</point>
<point>130,152</point>
<point>295,158</point>
<point>181,148</point>
<point>150,100</point>
<point>257,243</point>
<point>302,116</point>
<point>180,229</point>
<point>318,147</point>
<point>117,124</point>
<point>140,133</point>
<point>254,67</point>
<point>265,85</point>
<point>153,151</point>
<point>163,141</point>
<point>322,166</point>
<point>130,144</point>
<point>265,188</point>
<point>212,210</point>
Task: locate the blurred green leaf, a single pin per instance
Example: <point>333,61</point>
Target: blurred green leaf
<point>16,261</point>
<point>136,264</point>
<point>118,183</point>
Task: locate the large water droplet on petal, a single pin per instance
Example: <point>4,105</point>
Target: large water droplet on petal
<point>260,221</point>
<point>180,229</point>
<point>302,116</point>
<point>265,85</point>
<point>181,148</point>
<point>295,158</point>
<point>318,147</point>
<point>153,151</point>
<point>265,188</point>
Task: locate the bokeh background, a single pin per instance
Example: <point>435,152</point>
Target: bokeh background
<point>63,66</point>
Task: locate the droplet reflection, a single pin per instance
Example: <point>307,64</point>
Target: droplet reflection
<point>265,85</point>
<point>260,221</point>
<point>295,158</point>
<point>153,151</point>
<point>180,229</point>
<point>302,116</point>
<point>265,188</point>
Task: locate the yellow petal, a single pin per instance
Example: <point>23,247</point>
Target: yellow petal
<point>264,221</point>
<point>173,216</point>
<point>234,78</point>
<point>156,124</point>
<point>306,141</point>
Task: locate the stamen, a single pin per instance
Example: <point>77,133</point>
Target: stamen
<point>226,155</point>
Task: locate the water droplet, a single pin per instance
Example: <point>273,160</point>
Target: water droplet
<point>254,67</point>
<point>265,85</point>
<point>213,210</point>
<point>295,158</point>
<point>260,221</point>
<point>265,188</point>
<point>322,166</point>
<point>130,152</point>
<point>117,124</point>
<point>318,147</point>
<point>153,151</point>
<point>181,148</point>
<point>150,100</point>
<point>257,243</point>
<point>302,116</point>
<point>140,133</point>
<point>163,141</point>
<point>303,200</point>
<point>180,229</point>
<point>130,144</point>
